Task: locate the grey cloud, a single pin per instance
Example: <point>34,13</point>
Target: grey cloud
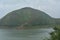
<point>51,7</point>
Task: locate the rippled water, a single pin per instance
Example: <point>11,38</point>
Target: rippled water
<point>26,34</point>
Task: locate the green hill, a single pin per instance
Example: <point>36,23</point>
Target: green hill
<point>57,21</point>
<point>27,16</point>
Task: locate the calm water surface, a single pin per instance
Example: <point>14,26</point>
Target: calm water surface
<point>26,34</point>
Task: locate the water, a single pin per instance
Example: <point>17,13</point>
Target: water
<point>26,34</point>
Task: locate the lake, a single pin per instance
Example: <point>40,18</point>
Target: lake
<point>25,34</point>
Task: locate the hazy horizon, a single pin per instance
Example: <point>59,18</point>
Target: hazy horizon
<point>51,7</point>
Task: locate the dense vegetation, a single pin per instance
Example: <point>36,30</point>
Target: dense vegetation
<point>56,34</point>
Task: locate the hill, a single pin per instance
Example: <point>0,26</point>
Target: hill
<point>26,16</point>
<point>57,21</point>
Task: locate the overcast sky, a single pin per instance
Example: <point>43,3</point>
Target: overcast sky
<point>51,7</point>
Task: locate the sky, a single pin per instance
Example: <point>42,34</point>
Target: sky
<point>51,7</point>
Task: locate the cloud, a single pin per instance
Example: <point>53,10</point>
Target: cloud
<point>51,7</point>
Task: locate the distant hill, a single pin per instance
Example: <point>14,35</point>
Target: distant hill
<point>28,16</point>
<point>57,21</point>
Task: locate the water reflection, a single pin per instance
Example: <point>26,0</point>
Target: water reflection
<point>27,34</point>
